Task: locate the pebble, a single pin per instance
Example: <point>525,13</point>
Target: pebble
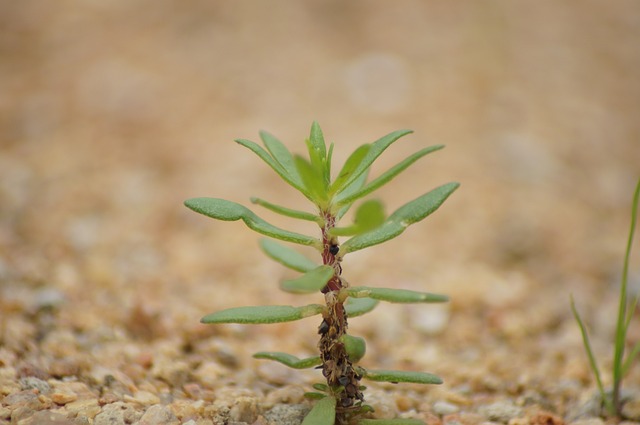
<point>631,410</point>
<point>31,382</point>
<point>286,414</point>
<point>85,407</point>
<point>588,421</point>
<point>117,413</point>
<point>63,394</point>
<point>158,415</point>
<point>144,398</point>
<point>46,417</point>
<point>500,411</point>
<point>443,408</point>
<point>245,409</point>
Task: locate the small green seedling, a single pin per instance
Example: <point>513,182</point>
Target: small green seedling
<point>613,401</point>
<point>340,400</point>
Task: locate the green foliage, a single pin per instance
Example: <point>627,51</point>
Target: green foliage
<point>340,400</point>
<point>612,402</point>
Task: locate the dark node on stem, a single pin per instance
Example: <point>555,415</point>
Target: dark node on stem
<point>323,328</point>
<point>344,380</point>
<point>333,249</point>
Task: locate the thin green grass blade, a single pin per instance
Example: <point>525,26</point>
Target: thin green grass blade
<point>287,256</point>
<point>403,217</point>
<point>288,212</point>
<point>221,209</point>
<point>310,282</point>
<point>592,360</point>
<point>387,176</point>
<point>322,413</point>
<point>258,315</point>
<point>621,328</point>
<point>396,295</point>
<point>631,357</point>
<point>289,359</point>
<point>395,376</point>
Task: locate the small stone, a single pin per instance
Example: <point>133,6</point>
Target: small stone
<point>631,410</point>
<point>588,421</point>
<point>286,414</point>
<point>46,417</point>
<point>245,409</point>
<point>501,411</point>
<point>26,398</point>
<point>158,415</point>
<point>443,408</point>
<point>85,407</point>
<point>31,382</point>
<point>63,393</point>
<point>144,398</point>
<point>118,413</point>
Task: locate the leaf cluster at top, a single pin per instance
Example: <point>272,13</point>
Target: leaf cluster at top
<point>332,197</point>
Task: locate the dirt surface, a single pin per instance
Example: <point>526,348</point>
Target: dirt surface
<point>112,113</point>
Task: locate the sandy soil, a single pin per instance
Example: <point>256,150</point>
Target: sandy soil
<point>111,114</point>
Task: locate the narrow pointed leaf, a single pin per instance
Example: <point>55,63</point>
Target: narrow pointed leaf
<point>314,396</point>
<point>318,161</point>
<point>317,139</point>
<point>310,282</point>
<point>282,155</point>
<point>592,359</point>
<point>263,314</point>
<point>401,376</point>
<point>352,188</point>
<point>377,148</point>
<point>396,295</point>
<point>387,176</point>
<point>399,421</point>
<point>402,218</point>
<point>288,212</point>
<point>311,179</point>
<point>289,359</point>
<point>221,209</point>
<point>275,165</point>
<point>349,167</point>
<point>631,357</point>
<point>287,256</point>
<point>358,306</point>
<point>322,413</point>
<point>369,215</point>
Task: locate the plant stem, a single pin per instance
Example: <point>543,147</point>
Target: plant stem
<point>336,366</point>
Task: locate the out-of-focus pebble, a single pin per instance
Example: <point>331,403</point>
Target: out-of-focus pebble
<point>158,415</point>
<point>144,398</point>
<point>118,413</point>
<point>501,411</point>
<point>443,408</point>
<point>631,410</point>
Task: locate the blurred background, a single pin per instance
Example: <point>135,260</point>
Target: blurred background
<point>113,113</point>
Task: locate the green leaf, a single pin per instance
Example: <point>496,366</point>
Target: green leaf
<point>263,314</point>
<point>399,421</point>
<point>402,218</point>
<point>355,347</point>
<point>312,180</point>
<point>396,295</point>
<point>369,215</point>
<point>288,212</point>
<point>314,396</point>
<point>221,209</point>
<point>630,359</point>
<point>282,155</point>
<point>395,376</point>
<point>310,282</point>
<point>386,176</point>
<point>374,152</point>
<point>352,188</point>
<point>289,359</point>
<point>275,165</point>
<point>287,256</point>
<point>322,413</point>
<point>349,167</point>
<point>317,140</point>
<point>358,306</point>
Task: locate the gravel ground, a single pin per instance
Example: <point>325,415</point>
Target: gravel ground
<point>111,114</point>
